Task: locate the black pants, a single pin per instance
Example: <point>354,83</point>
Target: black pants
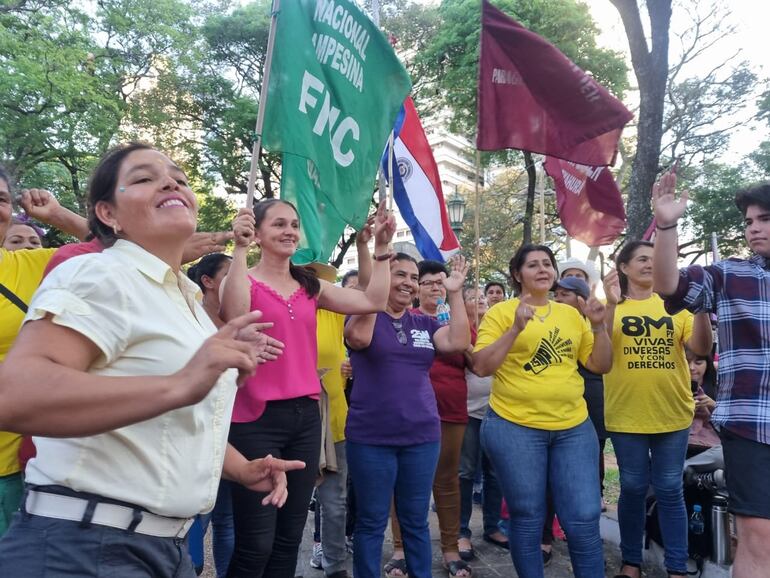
<point>267,539</point>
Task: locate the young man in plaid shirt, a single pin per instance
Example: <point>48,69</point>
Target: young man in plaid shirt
<point>738,291</point>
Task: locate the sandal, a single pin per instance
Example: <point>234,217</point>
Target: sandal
<point>395,564</point>
<point>468,554</point>
<point>456,566</point>
<point>499,543</point>
<point>630,565</point>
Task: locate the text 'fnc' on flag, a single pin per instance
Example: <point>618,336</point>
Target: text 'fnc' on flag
<point>335,89</point>
<point>532,97</point>
<point>417,187</point>
<point>588,201</point>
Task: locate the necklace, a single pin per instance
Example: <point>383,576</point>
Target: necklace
<point>542,318</point>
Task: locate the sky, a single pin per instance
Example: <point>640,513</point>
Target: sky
<point>749,17</point>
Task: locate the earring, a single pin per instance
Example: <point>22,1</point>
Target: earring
<point>122,189</point>
<point>115,229</point>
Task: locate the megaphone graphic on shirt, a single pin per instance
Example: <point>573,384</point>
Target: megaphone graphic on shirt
<point>545,355</point>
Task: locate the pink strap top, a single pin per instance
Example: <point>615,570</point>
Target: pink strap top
<point>293,374</point>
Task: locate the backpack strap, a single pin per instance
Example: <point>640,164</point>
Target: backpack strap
<point>13,298</point>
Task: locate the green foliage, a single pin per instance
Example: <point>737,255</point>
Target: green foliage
<point>712,210</point>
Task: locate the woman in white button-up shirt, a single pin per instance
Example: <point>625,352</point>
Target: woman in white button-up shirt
<point>122,374</point>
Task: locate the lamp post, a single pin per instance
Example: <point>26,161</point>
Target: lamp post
<point>456,209</point>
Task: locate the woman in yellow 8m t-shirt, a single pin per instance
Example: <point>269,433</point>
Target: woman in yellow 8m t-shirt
<point>537,433</point>
<point>648,404</point>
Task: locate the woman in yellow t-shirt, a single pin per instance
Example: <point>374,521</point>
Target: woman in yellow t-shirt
<point>648,404</point>
<point>20,274</point>
<point>537,432</point>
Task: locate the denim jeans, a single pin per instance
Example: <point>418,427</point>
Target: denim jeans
<point>267,539</point>
<point>40,547</point>
<point>380,474</point>
<point>491,499</point>
<point>527,460</point>
<point>331,496</point>
<point>656,459</point>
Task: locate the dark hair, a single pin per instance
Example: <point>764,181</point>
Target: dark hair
<point>429,267</point>
<point>405,257</point>
<point>710,376</point>
<point>755,195</point>
<point>624,257</point>
<point>209,265</point>
<point>101,187</point>
<point>495,284</point>
<point>346,277</point>
<point>517,262</point>
<point>306,278</point>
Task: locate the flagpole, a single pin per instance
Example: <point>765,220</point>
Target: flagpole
<point>541,185</point>
<point>391,171</point>
<point>476,231</point>
<point>262,102</point>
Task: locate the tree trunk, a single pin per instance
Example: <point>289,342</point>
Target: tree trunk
<point>343,245</point>
<point>529,165</point>
<point>651,70</point>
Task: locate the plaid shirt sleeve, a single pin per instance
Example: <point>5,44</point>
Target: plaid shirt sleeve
<point>738,291</point>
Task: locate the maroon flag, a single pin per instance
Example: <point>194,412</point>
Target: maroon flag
<point>532,97</point>
<point>588,201</point>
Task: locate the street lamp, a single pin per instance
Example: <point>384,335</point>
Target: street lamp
<point>456,209</point>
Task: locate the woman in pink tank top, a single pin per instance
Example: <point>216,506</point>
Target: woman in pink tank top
<point>276,412</point>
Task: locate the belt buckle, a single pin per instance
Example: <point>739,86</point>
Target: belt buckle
<point>184,528</point>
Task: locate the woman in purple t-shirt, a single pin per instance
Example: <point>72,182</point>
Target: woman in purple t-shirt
<point>393,428</point>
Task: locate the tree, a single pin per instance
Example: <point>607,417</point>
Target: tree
<point>650,63</point>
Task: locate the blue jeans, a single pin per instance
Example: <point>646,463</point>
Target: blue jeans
<point>527,460</point>
<point>380,474</point>
<point>331,496</point>
<point>223,529</point>
<point>39,547</point>
<point>656,459</point>
<point>470,458</point>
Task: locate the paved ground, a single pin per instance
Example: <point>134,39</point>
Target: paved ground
<point>490,562</point>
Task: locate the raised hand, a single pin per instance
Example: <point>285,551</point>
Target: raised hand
<point>268,474</point>
<point>201,244</point>
<point>243,228</point>
<point>384,228</point>
<point>365,234</point>
<point>668,209</point>
<point>39,204</point>
<point>612,287</point>
<point>593,309</point>
<point>456,279</point>
<point>524,313</point>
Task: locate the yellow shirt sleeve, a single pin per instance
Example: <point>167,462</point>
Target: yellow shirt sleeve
<point>538,384</point>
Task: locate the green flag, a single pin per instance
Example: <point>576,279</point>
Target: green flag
<point>335,89</point>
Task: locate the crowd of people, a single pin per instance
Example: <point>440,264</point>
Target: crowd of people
<point>150,402</point>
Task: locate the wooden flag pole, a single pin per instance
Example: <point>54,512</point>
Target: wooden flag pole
<point>476,232</point>
<point>261,111</point>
